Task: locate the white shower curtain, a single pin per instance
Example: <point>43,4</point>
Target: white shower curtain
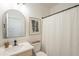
<point>60,33</point>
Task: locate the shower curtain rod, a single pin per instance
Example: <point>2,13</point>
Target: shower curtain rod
<point>60,11</point>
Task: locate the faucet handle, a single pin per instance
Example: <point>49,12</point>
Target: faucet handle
<point>15,42</point>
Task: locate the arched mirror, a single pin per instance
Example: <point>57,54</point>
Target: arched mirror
<point>13,24</point>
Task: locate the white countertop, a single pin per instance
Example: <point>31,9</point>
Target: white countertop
<point>15,49</point>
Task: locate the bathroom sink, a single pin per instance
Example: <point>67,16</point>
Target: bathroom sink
<point>12,50</point>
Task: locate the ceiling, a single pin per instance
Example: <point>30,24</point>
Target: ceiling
<point>48,4</point>
<point>40,4</point>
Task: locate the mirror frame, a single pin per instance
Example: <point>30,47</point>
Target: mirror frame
<point>4,30</point>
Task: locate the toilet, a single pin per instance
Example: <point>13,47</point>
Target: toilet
<point>37,49</point>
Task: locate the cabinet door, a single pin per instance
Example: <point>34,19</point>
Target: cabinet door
<point>25,53</point>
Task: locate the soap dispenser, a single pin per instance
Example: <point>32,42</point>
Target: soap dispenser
<point>6,44</point>
<point>15,42</point>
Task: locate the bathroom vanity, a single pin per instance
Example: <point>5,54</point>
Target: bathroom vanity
<point>22,49</point>
<point>14,25</point>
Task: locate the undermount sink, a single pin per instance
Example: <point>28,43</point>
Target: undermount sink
<point>12,50</point>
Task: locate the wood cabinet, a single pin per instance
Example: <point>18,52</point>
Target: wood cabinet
<point>25,53</point>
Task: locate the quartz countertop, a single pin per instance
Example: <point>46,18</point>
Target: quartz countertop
<point>15,49</point>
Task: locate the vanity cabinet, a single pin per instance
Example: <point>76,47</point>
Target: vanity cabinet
<point>25,53</point>
<point>22,49</point>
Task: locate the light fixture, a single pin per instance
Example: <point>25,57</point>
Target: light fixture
<point>23,8</point>
<point>21,3</point>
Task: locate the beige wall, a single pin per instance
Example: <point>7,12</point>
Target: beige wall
<point>28,10</point>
